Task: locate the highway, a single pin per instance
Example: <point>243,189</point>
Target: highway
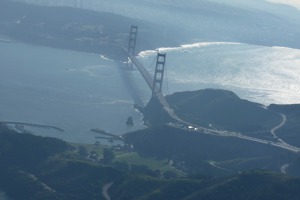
<point>222,133</point>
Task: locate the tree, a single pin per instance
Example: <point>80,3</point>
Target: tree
<point>82,152</point>
<point>169,175</point>
<point>108,155</point>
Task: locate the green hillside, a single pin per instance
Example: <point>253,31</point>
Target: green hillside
<point>253,185</point>
<point>213,156</point>
<point>258,185</point>
<point>39,168</point>
<point>223,110</point>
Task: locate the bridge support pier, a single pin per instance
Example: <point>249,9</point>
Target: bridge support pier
<point>159,73</point>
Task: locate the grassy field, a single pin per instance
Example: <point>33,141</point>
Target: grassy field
<point>154,164</point>
<point>131,158</point>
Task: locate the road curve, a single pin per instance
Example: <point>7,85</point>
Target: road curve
<point>284,119</point>
<point>105,189</point>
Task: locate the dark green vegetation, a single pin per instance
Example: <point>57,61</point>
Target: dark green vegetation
<point>294,168</point>
<point>218,109</point>
<point>214,155</point>
<point>258,185</point>
<point>197,153</point>
<point>38,168</point>
<point>46,168</point>
<point>223,110</point>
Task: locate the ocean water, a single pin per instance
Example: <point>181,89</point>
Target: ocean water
<point>72,90</point>
<point>78,91</point>
<point>262,74</point>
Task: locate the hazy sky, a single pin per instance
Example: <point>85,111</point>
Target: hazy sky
<point>295,3</point>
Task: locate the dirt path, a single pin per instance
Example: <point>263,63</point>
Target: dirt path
<point>105,189</point>
<point>46,187</point>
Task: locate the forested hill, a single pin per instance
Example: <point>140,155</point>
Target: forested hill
<point>258,185</point>
<point>220,109</point>
<point>40,168</point>
<point>223,110</point>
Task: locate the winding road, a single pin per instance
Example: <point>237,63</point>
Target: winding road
<point>284,119</point>
<point>105,189</point>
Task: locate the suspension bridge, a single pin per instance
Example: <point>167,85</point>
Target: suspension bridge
<point>155,84</point>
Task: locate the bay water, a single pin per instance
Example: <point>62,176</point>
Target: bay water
<point>78,91</point>
<point>74,91</point>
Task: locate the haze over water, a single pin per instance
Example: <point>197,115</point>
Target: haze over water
<point>75,91</point>
<point>78,91</point>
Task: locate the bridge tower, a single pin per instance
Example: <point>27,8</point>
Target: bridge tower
<point>159,73</point>
<point>132,44</point>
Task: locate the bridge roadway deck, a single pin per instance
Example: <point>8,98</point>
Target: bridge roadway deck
<point>158,95</point>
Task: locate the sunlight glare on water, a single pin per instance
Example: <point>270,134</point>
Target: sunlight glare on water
<point>263,74</point>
